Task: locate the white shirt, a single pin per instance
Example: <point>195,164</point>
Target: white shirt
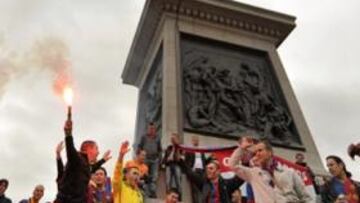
<point>198,162</point>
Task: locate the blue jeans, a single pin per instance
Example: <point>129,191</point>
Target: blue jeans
<point>153,166</point>
<point>173,176</point>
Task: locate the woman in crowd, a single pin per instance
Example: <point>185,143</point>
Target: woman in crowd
<point>340,188</point>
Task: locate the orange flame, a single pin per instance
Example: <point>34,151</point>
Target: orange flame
<point>68,95</point>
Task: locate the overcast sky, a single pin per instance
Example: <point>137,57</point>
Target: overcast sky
<point>320,56</point>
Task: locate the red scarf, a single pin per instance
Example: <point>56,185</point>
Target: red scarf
<point>350,191</point>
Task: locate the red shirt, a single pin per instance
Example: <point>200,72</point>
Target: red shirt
<point>350,191</point>
<point>215,193</point>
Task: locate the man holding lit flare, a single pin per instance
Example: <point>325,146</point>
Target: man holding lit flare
<point>73,184</point>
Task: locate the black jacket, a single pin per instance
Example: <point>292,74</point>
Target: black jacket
<point>74,180</point>
<point>4,199</point>
<point>60,168</point>
<point>190,159</point>
<point>226,186</point>
<point>168,151</point>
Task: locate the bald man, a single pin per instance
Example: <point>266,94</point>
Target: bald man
<point>38,193</point>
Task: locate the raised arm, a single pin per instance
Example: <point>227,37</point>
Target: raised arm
<point>59,163</point>
<point>235,164</point>
<point>71,153</point>
<point>107,156</point>
<point>117,178</point>
<point>60,169</point>
<point>195,178</point>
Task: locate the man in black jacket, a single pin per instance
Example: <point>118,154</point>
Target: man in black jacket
<point>60,165</point>
<point>74,181</point>
<point>213,187</point>
<point>196,161</point>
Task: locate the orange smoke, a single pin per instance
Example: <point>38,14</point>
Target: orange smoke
<point>50,54</point>
<point>53,54</point>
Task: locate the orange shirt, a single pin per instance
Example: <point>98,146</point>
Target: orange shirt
<point>142,167</point>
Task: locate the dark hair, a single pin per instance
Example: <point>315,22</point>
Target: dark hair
<point>249,139</point>
<point>213,160</point>
<point>338,160</point>
<point>139,150</point>
<point>172,190</point>
<point>86,145</point>
<point>250,134</point>
<point>267,144</point>
<point>103,169</point>
<point>2,181</point>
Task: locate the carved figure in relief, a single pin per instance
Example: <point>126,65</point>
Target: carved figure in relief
<point>229,100</point>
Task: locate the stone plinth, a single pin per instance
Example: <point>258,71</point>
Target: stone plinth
<point>211,68</point>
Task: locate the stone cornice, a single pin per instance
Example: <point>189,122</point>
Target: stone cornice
<point>227,13</point>
<point>251,19</point>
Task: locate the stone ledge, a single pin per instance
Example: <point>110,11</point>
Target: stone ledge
<point>222,19</point>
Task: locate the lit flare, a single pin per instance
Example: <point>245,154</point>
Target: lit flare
<point>68,96</point>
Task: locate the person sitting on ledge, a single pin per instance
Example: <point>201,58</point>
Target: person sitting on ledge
<point>151,144</point>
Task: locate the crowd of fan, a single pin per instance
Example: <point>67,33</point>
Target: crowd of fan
<point>83,179</point>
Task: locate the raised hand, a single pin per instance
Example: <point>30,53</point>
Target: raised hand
<point>59,148</point>
<point>246,143</point>
<point>124,149</point>
<point>68,128</point>
<point>107,155</point>
<point>174,139</point>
